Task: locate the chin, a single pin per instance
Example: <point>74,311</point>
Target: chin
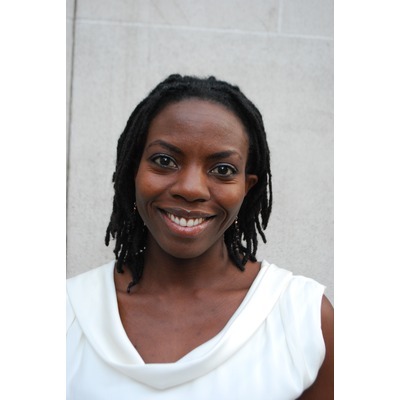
<point>186,252</point>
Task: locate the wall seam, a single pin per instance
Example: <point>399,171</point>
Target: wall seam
<point>280,16</point>
<point>71,86</point>
<point>200,29</point>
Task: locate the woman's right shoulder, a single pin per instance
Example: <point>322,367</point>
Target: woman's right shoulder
<point>80,288</point>
<point>92,273</point>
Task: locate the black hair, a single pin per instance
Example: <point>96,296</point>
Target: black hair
<point>126,225</point>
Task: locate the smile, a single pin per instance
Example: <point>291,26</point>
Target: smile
<point>185,222</point>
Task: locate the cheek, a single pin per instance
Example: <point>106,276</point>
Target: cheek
<point>144,191</point>
<point>148,188</point>
<point>144,195</point>
<point>230,197</point>
<point>147,184</point>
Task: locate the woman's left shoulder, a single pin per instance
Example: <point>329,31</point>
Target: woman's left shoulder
<point>323,387</point>
<point>326,313</point>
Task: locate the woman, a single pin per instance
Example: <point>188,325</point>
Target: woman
<point>187,311</point>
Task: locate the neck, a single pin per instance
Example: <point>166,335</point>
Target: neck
<point>165,272</point>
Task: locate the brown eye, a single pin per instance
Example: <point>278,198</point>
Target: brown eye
<point>224,170</point>
<point>164,161</point>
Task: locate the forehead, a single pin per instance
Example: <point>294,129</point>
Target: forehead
<point>198,120</point>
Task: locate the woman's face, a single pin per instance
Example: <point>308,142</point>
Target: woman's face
<point>191,179</point>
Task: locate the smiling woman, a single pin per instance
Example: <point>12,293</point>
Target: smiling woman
<point>192,178</point>
<point>186,307</point>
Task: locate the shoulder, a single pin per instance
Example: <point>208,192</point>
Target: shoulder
<point>323,387</point>
<point>84,290</point>
<point>93,271</point>
<point>313,316</point>
<point>300,308</point>
<point>93,277</point>
<point>304,315</point>
<point>327,314</point>
<point>303,295</point>
<point>299,294</point>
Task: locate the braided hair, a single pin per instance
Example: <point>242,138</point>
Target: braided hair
<point>126,225</point>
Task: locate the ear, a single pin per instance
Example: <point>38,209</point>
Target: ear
<point>251,180</point>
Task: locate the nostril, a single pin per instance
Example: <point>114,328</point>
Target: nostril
<point>191,186</point>
<point>190,198</point>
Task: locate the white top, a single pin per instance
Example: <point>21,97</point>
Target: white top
<point>271,348</point>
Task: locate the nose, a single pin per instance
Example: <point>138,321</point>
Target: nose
<point>191,184</point>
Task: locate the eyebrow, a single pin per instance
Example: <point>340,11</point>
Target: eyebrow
<point>224,154</point>
<point>215,156</point>
<point>166,146</point>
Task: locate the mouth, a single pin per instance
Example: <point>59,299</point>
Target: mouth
<point>185,222</point>
<point>181,223</point>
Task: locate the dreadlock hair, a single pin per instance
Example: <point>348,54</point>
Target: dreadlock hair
<point>126,225</point>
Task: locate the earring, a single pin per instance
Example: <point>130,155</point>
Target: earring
<point>236,235</point>
<point>134,216</point>
<point>130,223</point>
<point>135,213</point>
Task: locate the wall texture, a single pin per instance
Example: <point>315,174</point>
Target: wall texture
<point>280,53</point>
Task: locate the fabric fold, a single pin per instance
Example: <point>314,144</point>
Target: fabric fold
<point>276,325</point>
<point>99,319</point>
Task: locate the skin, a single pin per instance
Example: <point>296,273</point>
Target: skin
<point>193,166</point>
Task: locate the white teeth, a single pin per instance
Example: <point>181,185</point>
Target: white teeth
<point>185,222</point>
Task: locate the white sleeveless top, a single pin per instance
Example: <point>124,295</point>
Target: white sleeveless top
<point>271,348</point>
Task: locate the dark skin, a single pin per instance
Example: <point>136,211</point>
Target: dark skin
<point>164,323</point>
<point>193,167</point>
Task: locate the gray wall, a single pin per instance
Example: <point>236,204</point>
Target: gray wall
<point>280,53</point>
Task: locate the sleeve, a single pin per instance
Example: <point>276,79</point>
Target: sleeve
<point>74,347</point>
<point>70,314</point>
<point>301,316</point>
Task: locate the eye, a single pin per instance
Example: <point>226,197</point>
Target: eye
<point>164,161</point>
<point>224,170</point>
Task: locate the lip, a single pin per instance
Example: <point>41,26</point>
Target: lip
<point>186,231</point>
<point>185,213</point>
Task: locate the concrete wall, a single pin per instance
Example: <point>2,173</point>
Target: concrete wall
<point>280,53</point>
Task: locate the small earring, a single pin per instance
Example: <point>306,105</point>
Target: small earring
<point>236,237</point>
<point>131,221</point>
<point>135,215</point>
